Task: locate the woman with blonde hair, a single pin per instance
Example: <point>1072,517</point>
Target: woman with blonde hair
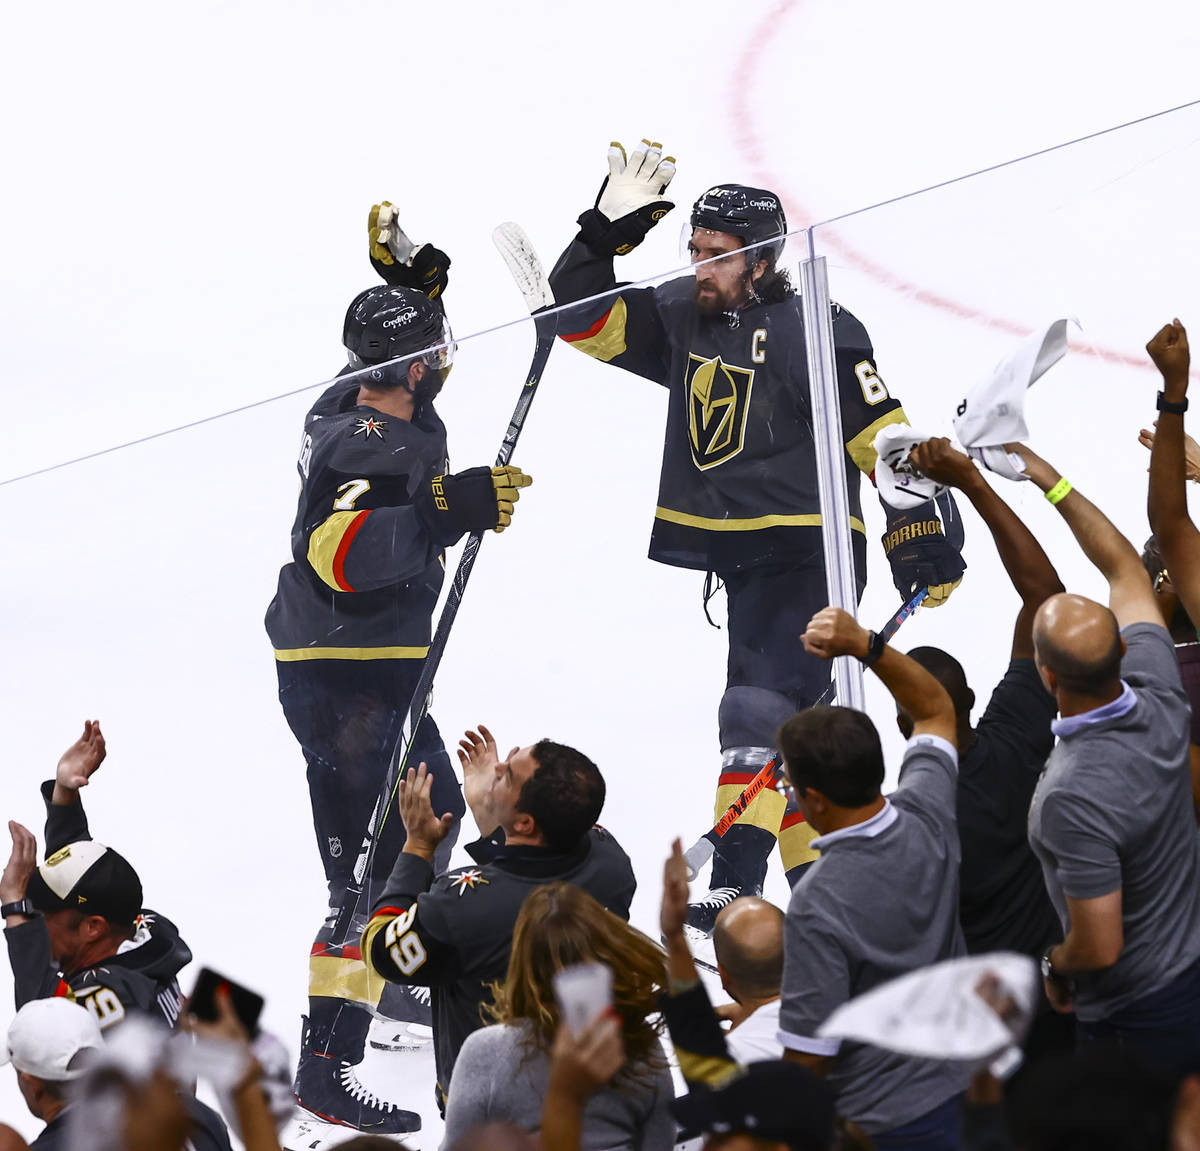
<point>503,1071</point>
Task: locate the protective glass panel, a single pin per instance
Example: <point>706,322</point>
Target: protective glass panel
<point>138,580</point>
<point>951,280</point>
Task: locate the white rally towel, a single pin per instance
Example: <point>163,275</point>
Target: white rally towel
<point>900,484</point>
<point>993,412</point>
<point>973,1009</point>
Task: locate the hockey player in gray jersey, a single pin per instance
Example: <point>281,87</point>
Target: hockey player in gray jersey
<point>351,623</point>
<point>738,493</point>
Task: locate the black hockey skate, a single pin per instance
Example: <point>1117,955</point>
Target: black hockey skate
<point>329,1088</point>
<point>702,915</point>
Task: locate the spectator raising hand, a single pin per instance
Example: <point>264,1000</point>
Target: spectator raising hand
<point>1178,539</point>
<point>579,1066</point>
<point>1122,872</point>
<point>79,917</point>
<point>79,763</point>
<point>1191,452</point>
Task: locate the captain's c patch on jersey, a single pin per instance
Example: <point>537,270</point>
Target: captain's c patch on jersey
<point>718,401</point>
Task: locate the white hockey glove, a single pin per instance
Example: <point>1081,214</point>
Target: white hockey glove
<point>398,260</point>
<point>389,244</point>
<point>631,200</point>
<point>637,182</point>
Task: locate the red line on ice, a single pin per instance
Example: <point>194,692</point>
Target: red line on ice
<point>747,139</point>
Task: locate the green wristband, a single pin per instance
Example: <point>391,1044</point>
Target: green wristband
<point>1060,491</point>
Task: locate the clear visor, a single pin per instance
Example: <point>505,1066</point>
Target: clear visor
<point>441,356</point>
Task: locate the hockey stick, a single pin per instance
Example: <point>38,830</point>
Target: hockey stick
<point>526,270</point>
<point>702,850</point>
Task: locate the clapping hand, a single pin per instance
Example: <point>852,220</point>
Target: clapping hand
<point>423,830</point>
<point>14,882</point>
<point>673,910</point>
<point>79,763</point>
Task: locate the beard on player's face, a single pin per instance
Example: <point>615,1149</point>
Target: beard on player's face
<point>712,298</point>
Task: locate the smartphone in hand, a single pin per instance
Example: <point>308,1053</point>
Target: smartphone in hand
<point>202,1003</point>
<point>583,991</point>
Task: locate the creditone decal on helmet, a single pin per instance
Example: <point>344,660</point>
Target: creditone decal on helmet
<point>753,215</point>
<point>389,328</point>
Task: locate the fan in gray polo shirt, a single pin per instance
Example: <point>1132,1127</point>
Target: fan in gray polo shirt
<point>882,899</point>
<point>1111,819</point>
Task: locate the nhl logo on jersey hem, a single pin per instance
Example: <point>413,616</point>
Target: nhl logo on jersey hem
<point>335,846</point>
<point>368,426</point>
<point>718,402</point>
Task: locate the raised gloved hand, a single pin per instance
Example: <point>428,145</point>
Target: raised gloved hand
<point>923,553</point>
<point>630,202</point>
<point>477,500</point>
<point>399,261</point>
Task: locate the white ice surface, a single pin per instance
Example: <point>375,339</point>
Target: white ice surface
<point>182,227</point>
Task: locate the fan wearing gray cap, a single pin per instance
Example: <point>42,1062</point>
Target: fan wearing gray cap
<point>48,1044</point>
<point>738,492</point>
<point>75,924</point>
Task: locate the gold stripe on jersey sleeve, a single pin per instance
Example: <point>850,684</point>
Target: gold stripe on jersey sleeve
<point>757,523</point>
<point>862,447</point>
<point>323,546</point>
<point>367,940</point>
<point>298,654</point>
<point>606,339</point>
<point>708,1069</point>
<point>351,979</point>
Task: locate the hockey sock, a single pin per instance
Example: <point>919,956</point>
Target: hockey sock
<point>337,1029</point>
<point>741,858</point>
<point>341,991</point>
<point>795,850</point>
<point>742,853</point>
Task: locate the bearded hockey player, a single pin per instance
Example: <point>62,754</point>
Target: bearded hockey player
<point>351,625</point>
<point>738,494</point>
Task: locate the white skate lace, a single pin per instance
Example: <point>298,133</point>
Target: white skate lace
<point>361,1094</point>
<point>718,897</point>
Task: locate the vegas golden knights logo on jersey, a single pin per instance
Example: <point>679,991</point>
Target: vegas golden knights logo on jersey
<point>718,400</point>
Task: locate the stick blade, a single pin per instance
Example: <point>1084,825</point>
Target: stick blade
<point>526,269</point>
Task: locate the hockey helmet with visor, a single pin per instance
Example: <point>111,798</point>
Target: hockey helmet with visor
<point>754,215</point>
<point>389,328</point>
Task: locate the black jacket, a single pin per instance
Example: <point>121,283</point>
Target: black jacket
<point>454,934</point>
<point>141,977</point>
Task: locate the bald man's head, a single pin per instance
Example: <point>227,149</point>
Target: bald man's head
<point>748,940</point>
<point>1077,640</point>
<point>10,1140</point>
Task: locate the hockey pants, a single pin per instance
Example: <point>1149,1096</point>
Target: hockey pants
<point>769,678</point>
<point>347,716</point>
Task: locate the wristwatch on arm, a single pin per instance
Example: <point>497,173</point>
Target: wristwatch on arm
<point>1049,973</point>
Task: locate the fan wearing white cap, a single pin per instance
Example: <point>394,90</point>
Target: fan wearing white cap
<point>76,923</point>
<point>49,1042</point>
